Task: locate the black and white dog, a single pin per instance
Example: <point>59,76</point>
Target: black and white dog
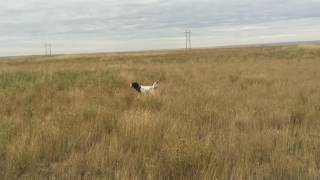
<point>144,89</point>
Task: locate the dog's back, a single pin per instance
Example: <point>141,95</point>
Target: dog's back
<point>146,89</point>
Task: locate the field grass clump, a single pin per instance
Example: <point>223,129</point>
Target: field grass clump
<point>233,113</point>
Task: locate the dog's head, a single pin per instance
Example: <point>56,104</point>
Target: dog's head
<point>136,86</point>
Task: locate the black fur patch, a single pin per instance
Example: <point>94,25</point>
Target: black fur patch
<point>136,86</point>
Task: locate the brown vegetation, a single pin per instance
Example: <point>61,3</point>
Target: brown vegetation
<point>242,113</point>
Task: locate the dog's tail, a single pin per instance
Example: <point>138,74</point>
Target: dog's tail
<point>155,84</point>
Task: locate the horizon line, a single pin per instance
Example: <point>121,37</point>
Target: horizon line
<point>249,45</point>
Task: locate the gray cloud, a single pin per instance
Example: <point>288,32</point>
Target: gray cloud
<point>89,25</point>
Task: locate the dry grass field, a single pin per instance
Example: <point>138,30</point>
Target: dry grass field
<point>229,113</point>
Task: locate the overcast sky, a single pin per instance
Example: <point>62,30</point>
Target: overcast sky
<point>74,26</point>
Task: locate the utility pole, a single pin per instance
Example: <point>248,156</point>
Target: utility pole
<point>188,39</point>
<point>47,48</point>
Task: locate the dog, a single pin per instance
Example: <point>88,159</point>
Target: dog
<point>144,89</point>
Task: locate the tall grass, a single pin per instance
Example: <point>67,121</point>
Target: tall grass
<point>243,113</point>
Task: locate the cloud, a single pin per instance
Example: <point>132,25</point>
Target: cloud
<point>133,24</point>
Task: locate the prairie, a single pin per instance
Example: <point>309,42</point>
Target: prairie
<point>227,113</point>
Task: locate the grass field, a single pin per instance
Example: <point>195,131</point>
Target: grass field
<point>237,113</point>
